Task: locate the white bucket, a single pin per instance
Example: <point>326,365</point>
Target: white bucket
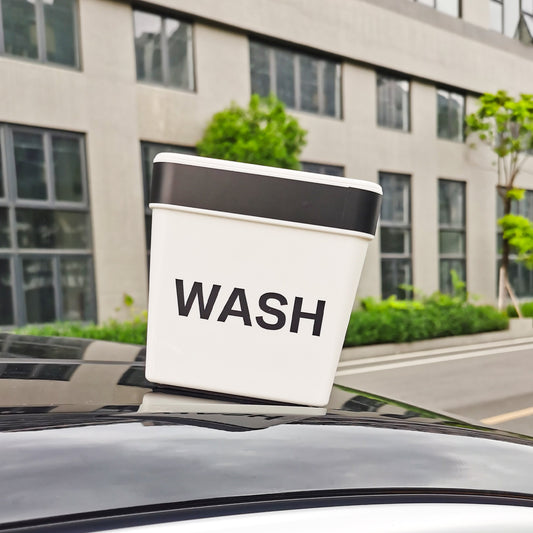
<point>253,275</point>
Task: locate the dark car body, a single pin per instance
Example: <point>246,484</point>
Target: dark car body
<point>86,443</point>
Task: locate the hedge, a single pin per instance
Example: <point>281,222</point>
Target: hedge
<point>377,322</point>
<point>526,308</point>
<point>426,321</point>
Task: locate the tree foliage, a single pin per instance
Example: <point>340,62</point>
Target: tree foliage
<point>518,232</point>
<point>263,133</point>
<point>505,124</point>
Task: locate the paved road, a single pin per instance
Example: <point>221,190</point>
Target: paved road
<point>491,382</point>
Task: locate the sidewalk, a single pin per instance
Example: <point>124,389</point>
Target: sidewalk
<point>518,328</point>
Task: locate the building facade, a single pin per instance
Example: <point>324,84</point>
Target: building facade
<point>91,89</point>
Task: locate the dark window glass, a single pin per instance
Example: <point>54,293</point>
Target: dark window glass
<point>301,81</point>
<point>38,287</point>
<point>5,239</point>
<point>2,192</point>
<point>309,83</point>
<point>67,168</point>
<point>396,204</point>
<point>148,230</point>
<point>20,28</point>
<point>260,69</point>
<point>450,115</point>
<point>148,51</point>
<point>179,47</point>
<point>451,242</point>
<point>452,233</point>
<point>394,274</point>
<point>451,203</point>
<point>445,278</point>
<point>331,89</point>
<point>395,235</point>
<point>6,293</point>
<point>76,288</point>
<point>317,168</point>
<point>393,102</point>
<point>30,165</point>
<point>46,228</point>
<point>60,31</point>
<point>163,50</point>
<point>285,77</point>
<point>395,241</point>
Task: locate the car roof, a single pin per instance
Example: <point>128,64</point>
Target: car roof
<point>78,418</point>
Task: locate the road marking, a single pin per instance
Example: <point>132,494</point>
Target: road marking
<point>431,360</point>
<point>433,351</point>
<point>506,417</point>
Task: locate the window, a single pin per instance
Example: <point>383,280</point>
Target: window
<point>450,115</point>
<point>303,82</point>
<point>43,30</point>
<point>450,7</point>
<point>393,102</point>
<point>452,233</point>
<point>148,152</point>
<point>520,277</point>
<point>46,270</point>
<point>505,16</point>
<point>496,15</point>
<point>395,234</point>
<point>330,170</point>
<point>163,50</point>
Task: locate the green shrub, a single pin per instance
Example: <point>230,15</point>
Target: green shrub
<point>526,308</point>
<point>438,316</point>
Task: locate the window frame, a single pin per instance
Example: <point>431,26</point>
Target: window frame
<point>297,56</point>
<point>17,254</point>
<point>165,64</point>
<point>40,23</point>
<point>451,227</point>
<point>405,225</point>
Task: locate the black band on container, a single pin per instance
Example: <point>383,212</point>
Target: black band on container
<point>271,197</point>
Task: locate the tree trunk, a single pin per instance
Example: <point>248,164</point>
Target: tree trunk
<point>504,284</point>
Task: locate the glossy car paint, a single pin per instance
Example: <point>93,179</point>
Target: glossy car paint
<point>76,439</point>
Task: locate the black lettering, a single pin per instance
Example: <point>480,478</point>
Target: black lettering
<point>184,308</point>
<point>278,313</point>
<point>317,317</point>
<point>242,311</point>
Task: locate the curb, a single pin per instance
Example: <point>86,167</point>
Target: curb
<point>518,328</point>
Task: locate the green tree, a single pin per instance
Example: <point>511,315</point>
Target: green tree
<point>263,133</point>
<point>505,124</point>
